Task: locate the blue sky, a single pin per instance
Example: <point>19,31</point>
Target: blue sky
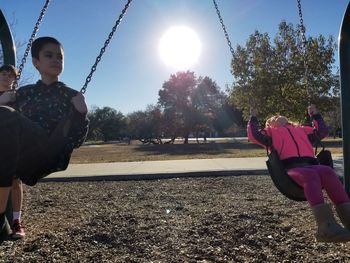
<point>131,71</point>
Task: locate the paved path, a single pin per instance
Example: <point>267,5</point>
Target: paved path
<point>167,169</point>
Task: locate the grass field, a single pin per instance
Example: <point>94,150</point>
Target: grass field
<point>136,151</point>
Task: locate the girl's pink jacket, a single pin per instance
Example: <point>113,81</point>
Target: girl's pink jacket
<point>289,141</point>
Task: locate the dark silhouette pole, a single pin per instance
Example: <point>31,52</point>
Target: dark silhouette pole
<point>9,57</point>
<point>344,58</point>
<point>7,44</point>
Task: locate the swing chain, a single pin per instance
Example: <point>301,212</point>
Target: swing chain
<point>103,49</point>
<point>304,47</point>
<point>30,42</point>
<point>223,27</point>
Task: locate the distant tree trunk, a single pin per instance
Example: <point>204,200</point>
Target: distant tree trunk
<point>197,135</point>
<point>186,139</point>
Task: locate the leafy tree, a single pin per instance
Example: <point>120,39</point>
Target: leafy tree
<point>175,100</point>
<point>207,100</point>
<point>146,125</point>
<point>251,70</point>
<point>228,120</point>
<point>106,124</point>
<point>271,76</point>
<point>193,106</point>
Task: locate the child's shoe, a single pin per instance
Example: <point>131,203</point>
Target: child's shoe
<point>328,230</point>
<point>17,230</point>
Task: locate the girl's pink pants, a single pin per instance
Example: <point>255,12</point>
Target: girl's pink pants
<point>315,177</point>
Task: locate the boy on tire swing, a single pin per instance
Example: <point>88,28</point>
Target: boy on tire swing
<point>49,120</point>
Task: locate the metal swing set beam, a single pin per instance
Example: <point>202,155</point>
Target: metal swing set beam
<point>344,60</point>
<point>7,43</point>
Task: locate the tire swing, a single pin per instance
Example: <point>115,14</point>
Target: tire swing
<point>59,136</point>
<point>282,181</point>
<point>278,173</point>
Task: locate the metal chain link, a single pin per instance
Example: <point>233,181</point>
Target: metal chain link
<point>304,47</point>
<point>103,49</point>
<point>223,27</point>
<point>30,42</point>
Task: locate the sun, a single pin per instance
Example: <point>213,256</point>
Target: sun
<point>180,47</point>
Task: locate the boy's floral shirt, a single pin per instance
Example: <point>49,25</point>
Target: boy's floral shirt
<point>47,105</point>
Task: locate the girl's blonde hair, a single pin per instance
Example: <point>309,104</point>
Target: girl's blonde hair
<point>269,122</point>
<point>278,121</point>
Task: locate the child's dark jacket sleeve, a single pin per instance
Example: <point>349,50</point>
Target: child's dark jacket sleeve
<point>76,136</point>
<point>320,129</point>
<point>320,125</point>
<point>257,135</point>
<point>78,131</point>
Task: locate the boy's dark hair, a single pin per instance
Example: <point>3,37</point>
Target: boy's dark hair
<point>10,68</point>
<point>40,42</point>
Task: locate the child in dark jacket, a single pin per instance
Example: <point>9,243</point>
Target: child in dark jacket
<point>49,120</point>
<point>8,75</point>
<point>293,144</point>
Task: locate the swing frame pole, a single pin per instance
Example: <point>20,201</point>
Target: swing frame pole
<point>344,59</point>
<point>7,44</point>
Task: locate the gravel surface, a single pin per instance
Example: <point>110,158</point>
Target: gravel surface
<point>221,219</point>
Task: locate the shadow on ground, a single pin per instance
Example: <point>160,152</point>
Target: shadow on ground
<point>333,144</point>
<point>205,148</point>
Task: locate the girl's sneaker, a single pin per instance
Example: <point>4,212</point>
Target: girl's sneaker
<point>17,230</point>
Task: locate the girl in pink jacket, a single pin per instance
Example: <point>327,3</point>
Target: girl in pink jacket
<point>293,144</point>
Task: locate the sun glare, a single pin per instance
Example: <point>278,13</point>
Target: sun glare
<point>180,47</point>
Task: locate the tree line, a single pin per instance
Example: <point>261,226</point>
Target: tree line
<point>268,74</point>
<point>186,106</point>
